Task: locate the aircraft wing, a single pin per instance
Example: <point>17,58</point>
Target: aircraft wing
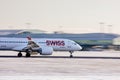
<point>30,46</point>
<point>20,48</point>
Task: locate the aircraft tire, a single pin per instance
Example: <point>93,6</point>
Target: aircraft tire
<point>19,54</point>
<point>71,56</point>
<point>28,55</point>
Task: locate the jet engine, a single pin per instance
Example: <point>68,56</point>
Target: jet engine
<point>46,50</point>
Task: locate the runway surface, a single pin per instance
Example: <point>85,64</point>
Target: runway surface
<point>106,63</point>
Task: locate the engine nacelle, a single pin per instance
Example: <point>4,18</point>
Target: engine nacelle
<point>46,50</point>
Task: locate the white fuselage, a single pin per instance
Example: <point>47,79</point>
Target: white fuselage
<point>56,44</point>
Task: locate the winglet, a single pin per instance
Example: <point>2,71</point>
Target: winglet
<point>29,38</point>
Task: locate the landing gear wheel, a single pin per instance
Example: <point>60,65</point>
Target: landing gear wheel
<point>28,51</point>
<point>19,54</point>
<point>28,55</point>
<point>71,56</point>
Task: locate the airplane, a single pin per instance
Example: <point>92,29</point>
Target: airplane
<point>43,46</point>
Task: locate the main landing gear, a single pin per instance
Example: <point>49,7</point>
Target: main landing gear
<point>71,56</point>
<point>27,54</point>
<point>28,51</point>
<point>19,54</point>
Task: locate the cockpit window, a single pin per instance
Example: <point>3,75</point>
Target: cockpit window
<point>74,43</point>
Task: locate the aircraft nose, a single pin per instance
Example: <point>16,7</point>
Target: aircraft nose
<point>79,47</point>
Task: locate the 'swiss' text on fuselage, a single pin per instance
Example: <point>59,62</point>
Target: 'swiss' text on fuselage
<point>55,43</point>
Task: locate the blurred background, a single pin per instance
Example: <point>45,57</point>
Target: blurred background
<point>94,24</point>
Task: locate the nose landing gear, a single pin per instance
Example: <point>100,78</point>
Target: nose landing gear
<point>71,56</point>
